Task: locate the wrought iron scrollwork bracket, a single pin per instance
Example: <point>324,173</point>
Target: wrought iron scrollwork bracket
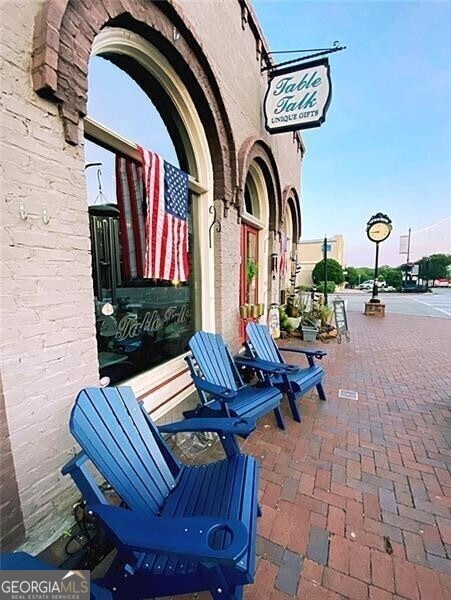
<point>214,225</point>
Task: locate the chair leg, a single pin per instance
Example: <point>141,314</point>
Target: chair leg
<point>220,589</point>
<point>230,445</point>
<point>236,594</point>
<point>293,406</point>
<point>279,418</point>
<point>321,392</point>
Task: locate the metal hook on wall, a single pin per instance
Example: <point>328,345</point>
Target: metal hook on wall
<point>45,216</point>
<point>100,198</point>
<point>215,223</point>
<point>22,212</point>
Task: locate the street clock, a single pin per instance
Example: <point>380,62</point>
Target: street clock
<point>378,228</point>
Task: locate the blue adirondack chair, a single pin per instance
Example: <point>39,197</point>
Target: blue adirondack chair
<point>220,387</point>
<point>294,381</point>
<point>183,529</point>
<point>21,561</point>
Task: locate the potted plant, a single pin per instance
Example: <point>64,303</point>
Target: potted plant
<point>251,270</point>
<point>308,327</point>
<point>295,309</point>
<point>285,321</point>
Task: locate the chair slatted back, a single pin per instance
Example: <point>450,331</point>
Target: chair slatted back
<point>214,360</point>
<point>263,344</point>
<point>110,426</point>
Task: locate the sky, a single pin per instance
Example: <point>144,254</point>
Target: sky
<point>386,143</point>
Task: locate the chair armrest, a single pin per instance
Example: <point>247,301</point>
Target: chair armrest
<point>222,393</point>
<point>238,426</point>
<point>263,365</point>
<point>316,353</point>
<point>178,536</point>
<point>77,468</point>
<point>74,463</point>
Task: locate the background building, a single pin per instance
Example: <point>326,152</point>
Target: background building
<point>311,252</point>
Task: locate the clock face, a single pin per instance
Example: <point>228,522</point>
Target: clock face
<point>378,232</point>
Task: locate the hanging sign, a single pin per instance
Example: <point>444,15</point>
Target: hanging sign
<point>298,97</point>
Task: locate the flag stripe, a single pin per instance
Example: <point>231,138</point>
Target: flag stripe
<point>120,195</point>
<point>136,216</point>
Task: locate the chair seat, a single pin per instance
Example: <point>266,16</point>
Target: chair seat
<point>302,379</point>
<point>252,402</point>
<point>223,489</point>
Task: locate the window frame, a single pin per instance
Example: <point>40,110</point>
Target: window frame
<point>164,386</point>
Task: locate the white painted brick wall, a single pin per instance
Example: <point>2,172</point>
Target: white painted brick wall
<point>47,346</point>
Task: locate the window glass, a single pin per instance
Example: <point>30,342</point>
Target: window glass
<point>117,101</point>
<point>251,197</point>
<point>140,322</point>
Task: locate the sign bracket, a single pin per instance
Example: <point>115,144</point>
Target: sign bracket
<point>316,52</point>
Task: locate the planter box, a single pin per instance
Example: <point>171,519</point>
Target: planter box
<point>294,322</point>
<point>309,333</point>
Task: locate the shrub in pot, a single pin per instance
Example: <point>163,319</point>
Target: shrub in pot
<point>330,287</point>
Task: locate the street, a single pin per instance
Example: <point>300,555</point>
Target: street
<point>435,304</point>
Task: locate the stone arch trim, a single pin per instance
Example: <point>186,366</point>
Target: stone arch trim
<point>255,149</point>
<point>63,37</point>
<point>290,201</point>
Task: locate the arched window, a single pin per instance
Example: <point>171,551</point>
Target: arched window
<point>145,320</point>
<point>251,199</point>
<point>289,271</point>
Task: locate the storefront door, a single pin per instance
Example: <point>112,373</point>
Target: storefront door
<point>249,268</point>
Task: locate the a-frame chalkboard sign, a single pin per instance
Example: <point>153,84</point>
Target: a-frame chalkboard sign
<point>341,320</point>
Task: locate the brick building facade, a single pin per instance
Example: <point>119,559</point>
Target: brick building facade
<point>200,64</point>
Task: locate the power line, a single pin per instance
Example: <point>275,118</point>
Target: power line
<point>434,225</point>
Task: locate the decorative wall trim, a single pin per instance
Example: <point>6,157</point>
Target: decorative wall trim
<point>63,38</point>
<point>290,201</point>
<point>256,149</point>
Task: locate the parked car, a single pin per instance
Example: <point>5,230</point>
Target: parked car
<point>368,284</point>
<point>442,283</point>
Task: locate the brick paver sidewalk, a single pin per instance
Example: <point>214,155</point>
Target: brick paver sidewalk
<point>356,499</point>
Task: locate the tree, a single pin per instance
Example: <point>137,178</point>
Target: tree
<point>434,266</point>
<point>365,273</point>
<point>352,276</point>
<point>391,275</point>
<point>334,272</point>
<point>330,287</point>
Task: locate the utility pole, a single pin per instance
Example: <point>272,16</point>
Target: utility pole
<point>325,270</point>
<point>408,245</point>
<point>408,258</point>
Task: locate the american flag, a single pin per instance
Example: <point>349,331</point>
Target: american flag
<point>283,254</point>
<point>132,219</point>
<point>164,220</point>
